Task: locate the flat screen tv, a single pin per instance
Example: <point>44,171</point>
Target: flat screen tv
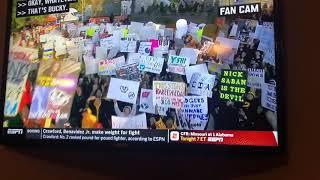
<point>169,72</point>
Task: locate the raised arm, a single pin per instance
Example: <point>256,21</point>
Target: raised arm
<point>116,108</point>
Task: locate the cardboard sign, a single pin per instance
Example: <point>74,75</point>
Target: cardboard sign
<point>256,78</point>
<point>128,72</point>
<point>269,97</point>
<point>145,48</point>
<point>233,85</point>
<point>146,102</point>
<point>109,66</point>
<point>227,48</point>
<point>135,122</point>
<point>55,87</point>
<point>168,94</point>
<point>177,64</point>
<point>191,123</point>
<point>151,64</point>
<point>164,44</point>
<point>200,68</point>
<point>123,90</point>
<point>191,54</point>
<point>202,84</point>
<point>16,81</point>
<point>128,45</point>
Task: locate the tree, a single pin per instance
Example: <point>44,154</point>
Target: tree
<point>176,4</point>
<point>162,10</point>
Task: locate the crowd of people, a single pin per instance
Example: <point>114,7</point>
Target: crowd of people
<point>92,109</point>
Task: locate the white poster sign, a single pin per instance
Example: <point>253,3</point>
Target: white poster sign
<point>178,64</point>
<point>151,64</point>
<point>202,84</point>
<point>199,68</point>
<point>109,66</point>
<point>255,78</point>
<point>135,122</point>
<point>123,90</point>
<point>190,53</point>
<point>145,48</point>
<point>269,97</point>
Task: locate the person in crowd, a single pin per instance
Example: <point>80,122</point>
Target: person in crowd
<point>78,106</point>
<point>126,112</point>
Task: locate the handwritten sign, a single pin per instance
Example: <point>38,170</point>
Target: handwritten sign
<point>269,97</point>
<point>145,48</point>
<point>200,68</point>
<point>128,72</point>
<point>194,115</point>
<point>201,84</point>
<point>256,78</point>
<point>135,122</point>
<point>123,90</point>
<point>168,94</point>
<point>128,45</point>
<point>177,64</point>
<point>146,102</point>
<point>233,85</point>
<point>151,64</point>
<point>109,66</point>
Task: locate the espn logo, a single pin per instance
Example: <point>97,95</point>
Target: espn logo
<point>15,131</point>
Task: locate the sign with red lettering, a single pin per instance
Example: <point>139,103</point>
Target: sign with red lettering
<point>169,94</point>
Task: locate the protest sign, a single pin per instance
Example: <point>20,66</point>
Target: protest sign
<point>107,43</point>
<point>146,102</point>
<point>151,64</point>
<point>128,45</point>
<point>267,44</point>
<point>177,64</point>
<point>16,80</point>
<point>233,85</point>
<point>269,96</point>
<point>108,66</point>
<point>162,111</point>
<point>191,54</point>
<point>133,58</point>
<point>145,48</point>
<point>91,65</point>
<point>195,105</point>
<point>123,90</point>
<point>134,122</point>
<point>55,88</point>
<point>201,84</point>
<point>168,94</point>
<point>255,78</point>
<point>194,115</point>
<point>101,53</point>
<point>148,32</point>
<point>128,72</point>
<point>227,48</point>
<point>199,68</point>
<point>164,44</point>
<point>135,27</point>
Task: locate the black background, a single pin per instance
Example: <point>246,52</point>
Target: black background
<point>301,162</point>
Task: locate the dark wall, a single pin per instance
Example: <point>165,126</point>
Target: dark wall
<point>303,155</point>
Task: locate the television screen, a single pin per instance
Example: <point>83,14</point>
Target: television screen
<point>143,71</point>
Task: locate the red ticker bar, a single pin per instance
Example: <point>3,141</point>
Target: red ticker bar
<point>242,138</point>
